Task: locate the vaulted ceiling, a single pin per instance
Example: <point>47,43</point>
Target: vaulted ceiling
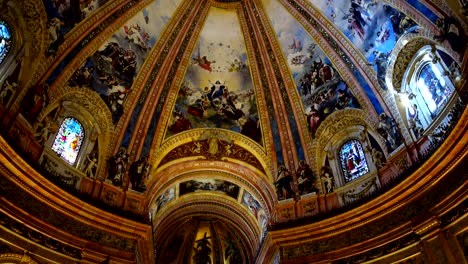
<point>217,97</point>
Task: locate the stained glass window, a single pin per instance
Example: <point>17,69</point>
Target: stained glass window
<point>353,160</point>
<point>68,141</point>
<point>5,40</point>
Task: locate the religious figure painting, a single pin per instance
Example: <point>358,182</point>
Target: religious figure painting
<point>212,185</point>
<point>217,91</point>
<point>252,204</point>
<point>373,26</point>
<point>111,70</point>
<point>64,15</point>
<point>318,83</point>
<point>165,197</point>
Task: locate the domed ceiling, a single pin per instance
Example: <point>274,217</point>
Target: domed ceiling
<point>196,111</point>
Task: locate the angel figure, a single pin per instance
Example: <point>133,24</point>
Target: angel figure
<point>203,62</point>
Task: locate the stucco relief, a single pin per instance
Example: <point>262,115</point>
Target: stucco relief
<point>340,120</point>
<point>405,55</point>
<point>225,144</point>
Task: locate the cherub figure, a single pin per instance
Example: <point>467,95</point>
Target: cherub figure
<point>42,134</point>
<point>196,148</point>
<point>378,158</point>
<point>327,178</point>
<point>228,149</point>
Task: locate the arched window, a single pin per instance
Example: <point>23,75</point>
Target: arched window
<point>5,40</point>
<point>430,89</point>
<point>353,161</point>
<point>68,141</point>
<point>433,89</point>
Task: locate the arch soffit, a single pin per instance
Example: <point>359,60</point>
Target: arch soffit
<point>209,205</point>
<point>404,54</point>
<point>244,178</point>
<point>340,120</point>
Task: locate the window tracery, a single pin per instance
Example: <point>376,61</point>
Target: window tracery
<point>68,141</point>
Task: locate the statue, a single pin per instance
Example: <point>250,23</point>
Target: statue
<point>387,128</point>
<point>92,163</point>
<point>196,148</point>
<point>414,122</point>
<point>42,133</point>
<point>451,30</point>
<point>283,183</point>
<point>117,166</point>
<point>7,88</point>
<point>327,178</point>
<point>138,172</point>
<point>305,178</point>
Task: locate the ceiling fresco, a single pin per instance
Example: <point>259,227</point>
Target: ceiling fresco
<point>112,69</point>
<point>319,84</point>
<point>374,28</point>
<point>64,16</point>
<point>217,91</point>
<point>221,119</point>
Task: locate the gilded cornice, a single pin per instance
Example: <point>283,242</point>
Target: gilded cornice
<point>433,182</point>
<point>16,258</point>
<point>36,237</point>
<point>32,193</point>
